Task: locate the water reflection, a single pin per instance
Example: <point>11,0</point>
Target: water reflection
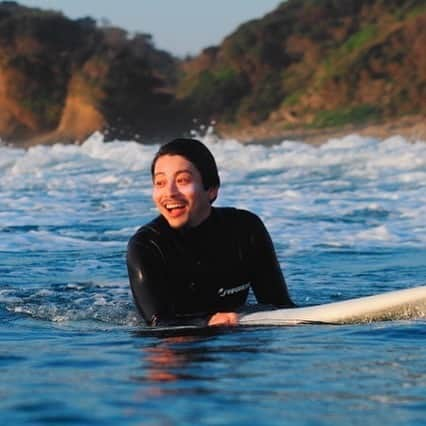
<point>166,361</point>
<point>190,362</point>
<point>172,354</point>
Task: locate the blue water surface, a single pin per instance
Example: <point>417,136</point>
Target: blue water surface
<point>347,219</point>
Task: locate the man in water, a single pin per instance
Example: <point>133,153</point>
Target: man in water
<point>195,263</point>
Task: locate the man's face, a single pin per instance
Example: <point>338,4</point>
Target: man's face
<point>178,192</point>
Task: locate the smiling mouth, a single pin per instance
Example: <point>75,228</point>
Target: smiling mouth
<point>174,206</point>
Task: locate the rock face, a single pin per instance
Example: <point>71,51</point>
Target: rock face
<point>65,78</point>
<point>315,63</point>
<point>309,63</point>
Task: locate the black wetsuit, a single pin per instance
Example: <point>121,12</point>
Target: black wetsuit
<point>178,275</point>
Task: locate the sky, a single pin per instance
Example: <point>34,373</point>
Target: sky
<point>181,27</point>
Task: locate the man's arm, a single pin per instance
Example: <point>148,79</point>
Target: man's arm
<point>268,281</point>
<point>223,318</point>
<point>144,267</point>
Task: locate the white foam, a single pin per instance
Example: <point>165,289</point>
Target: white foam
<point>378,233</point>
<point>81,203</point>
<point>133,155</point>
<point>339,188</point>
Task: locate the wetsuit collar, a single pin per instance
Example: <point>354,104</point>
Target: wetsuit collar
<point>200,228</point>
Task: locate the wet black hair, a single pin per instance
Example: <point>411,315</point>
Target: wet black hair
<point>195,152</point>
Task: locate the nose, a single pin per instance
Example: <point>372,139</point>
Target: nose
<point>170,188</point>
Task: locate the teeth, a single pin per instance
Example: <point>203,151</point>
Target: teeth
<point>173,206</point>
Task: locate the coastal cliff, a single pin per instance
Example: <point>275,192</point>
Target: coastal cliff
<point>313,65</point>
<point>305,68</point>
<point>63,79</point>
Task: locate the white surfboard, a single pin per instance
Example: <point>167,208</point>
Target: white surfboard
<point>392,305</point>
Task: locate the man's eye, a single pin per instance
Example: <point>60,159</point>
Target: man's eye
<point>183,180</point>
<point>159,183</point>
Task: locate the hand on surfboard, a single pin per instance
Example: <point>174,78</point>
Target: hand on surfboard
<point>224,319</point>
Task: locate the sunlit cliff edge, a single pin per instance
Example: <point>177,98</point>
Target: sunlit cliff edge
<point>305,70</point>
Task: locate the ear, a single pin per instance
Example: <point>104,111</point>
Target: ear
<point>212,193</point>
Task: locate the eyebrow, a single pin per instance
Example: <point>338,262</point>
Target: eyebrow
<point>176,173</point>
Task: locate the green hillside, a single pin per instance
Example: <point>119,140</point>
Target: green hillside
<point>315,63</point>
<point>306,64</point>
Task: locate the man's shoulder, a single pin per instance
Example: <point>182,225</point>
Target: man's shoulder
<point>237,214</point>
<point>148,232</point>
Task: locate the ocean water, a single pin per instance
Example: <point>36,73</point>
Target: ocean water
<point>347,219</point>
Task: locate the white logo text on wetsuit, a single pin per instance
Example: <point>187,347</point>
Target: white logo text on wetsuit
<point>222,292</point>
